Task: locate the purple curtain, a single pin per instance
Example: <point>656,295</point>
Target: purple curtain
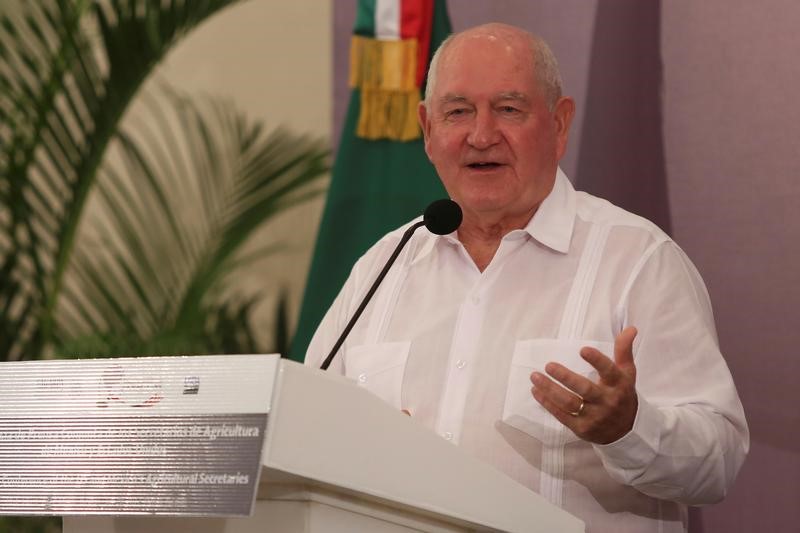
<point>687,115</point>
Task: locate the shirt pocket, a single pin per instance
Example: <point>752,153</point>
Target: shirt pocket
<point>379,368</point>
<point>520,409</point>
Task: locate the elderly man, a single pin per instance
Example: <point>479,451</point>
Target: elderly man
<point>561,339</point>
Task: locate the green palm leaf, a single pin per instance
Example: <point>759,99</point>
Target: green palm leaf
<point>68,70</point>
<point>192,192</point>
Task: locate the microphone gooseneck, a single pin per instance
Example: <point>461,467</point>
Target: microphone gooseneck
<point>441,217</point>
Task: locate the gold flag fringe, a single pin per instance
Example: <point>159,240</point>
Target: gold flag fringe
<point>385,72</point>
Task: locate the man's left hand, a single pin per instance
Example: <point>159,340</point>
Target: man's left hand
<point>599,412</point>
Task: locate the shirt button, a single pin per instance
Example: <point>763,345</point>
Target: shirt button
<point>461,364</point>
<point>447,435</point>
<point>362,378</point>
<point>476,299</point>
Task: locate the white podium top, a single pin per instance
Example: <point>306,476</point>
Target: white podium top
<point>80,425</point>
<point>324,428</point>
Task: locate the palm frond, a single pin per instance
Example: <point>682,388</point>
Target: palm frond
<point>173,222</point>
<point>68,70</point>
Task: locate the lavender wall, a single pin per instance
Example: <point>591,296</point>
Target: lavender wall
<point>731,124</point>
<point>687,114</point>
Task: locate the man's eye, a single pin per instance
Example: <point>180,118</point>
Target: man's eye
<point>455,113</point>
<point>509,110</point>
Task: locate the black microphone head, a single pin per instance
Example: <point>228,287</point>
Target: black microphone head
<point>442,217</point>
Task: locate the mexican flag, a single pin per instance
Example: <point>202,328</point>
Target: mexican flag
<point>381,176</point>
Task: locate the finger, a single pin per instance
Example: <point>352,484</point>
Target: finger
<point>623,349</point>
<point>551,407</point>
<point>606,368</point>
<point>558,396</point>
<point>580,385</point>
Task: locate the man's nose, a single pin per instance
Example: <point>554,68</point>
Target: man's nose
<point>484,132</point>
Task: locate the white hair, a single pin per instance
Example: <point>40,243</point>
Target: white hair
<point>544,63</point>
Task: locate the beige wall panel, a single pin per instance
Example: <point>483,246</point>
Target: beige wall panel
<point>273,60</point>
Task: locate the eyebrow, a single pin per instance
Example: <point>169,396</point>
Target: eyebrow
<point>452,98</point>
<point>512,95</point>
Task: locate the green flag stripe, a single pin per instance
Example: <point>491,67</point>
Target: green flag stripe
<point>365,19</point>
<point>376,186</point>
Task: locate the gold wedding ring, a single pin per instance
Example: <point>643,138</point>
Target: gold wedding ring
<point>580,409</point>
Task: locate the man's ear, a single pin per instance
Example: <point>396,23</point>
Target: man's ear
<point>425,126</point>
<point>563,113</point>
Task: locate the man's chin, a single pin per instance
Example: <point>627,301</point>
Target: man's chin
<point>487,205</point>
<point>495,209</point>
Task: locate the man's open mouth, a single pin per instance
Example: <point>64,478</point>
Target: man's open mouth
<point>484,165</point>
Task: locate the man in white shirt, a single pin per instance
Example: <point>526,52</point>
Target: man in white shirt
<point>472,332</point>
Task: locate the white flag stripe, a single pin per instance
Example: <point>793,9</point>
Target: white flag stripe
<point>387,19</point>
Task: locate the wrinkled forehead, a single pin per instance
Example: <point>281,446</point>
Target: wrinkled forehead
<point>501,43</point>
<point>491,57</point>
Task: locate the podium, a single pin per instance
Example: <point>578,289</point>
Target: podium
<point>337,459</point>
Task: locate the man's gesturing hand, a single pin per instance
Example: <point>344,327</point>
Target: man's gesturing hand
<point>599,412</point>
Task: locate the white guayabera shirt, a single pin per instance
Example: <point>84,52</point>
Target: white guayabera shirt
<point>456,346</point>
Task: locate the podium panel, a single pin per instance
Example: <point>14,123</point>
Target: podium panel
<point>283,508</point>
<point>160,435</point>
<point>335,459</point>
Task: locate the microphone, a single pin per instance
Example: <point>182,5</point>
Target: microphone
<point>441,217</point>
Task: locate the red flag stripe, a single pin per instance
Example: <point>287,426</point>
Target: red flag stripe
<point>416,19</point>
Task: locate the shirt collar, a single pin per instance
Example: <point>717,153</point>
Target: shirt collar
<point>553,222</point>
<point>551,225</point>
